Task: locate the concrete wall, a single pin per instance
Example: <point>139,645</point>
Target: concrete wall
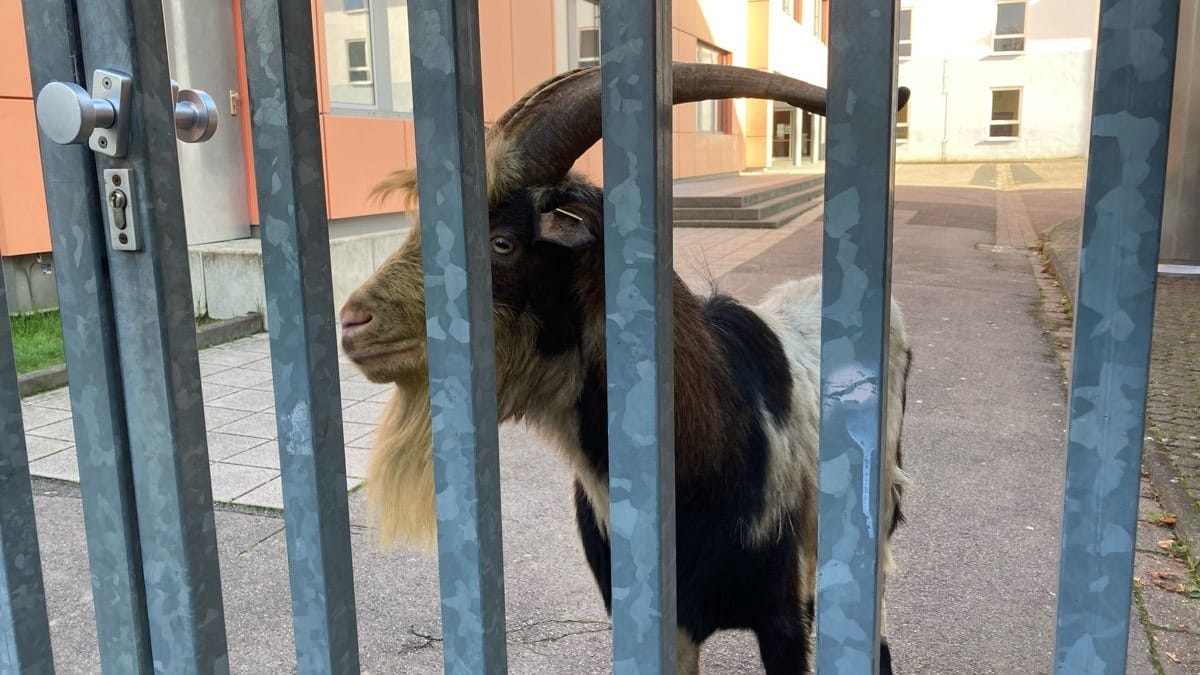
<point>29,283</point>
<point>953,70</point>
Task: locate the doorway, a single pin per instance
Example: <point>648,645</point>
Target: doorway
<point>782,137</point>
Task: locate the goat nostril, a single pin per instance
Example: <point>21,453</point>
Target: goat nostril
<point>352,318</point>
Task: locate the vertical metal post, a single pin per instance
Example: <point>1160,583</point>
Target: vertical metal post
<point>1114,317</point>
<point>448,114</point>
<point>281,69</point>
<point>855,316</point>
<point>24,628</point>
<point>90,340</point>
<point>1181,207</point>
<point>636,101</point>
<point>159,364</point>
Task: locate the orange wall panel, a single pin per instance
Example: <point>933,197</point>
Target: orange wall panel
<point>24,223</point>
<point>244,97</point>
<point>495,55</point>
<point>532,46</point>
<point>359,152</point>
<point>14,60</point>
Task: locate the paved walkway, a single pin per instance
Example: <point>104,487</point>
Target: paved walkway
<point>239,405</point>
<point>984,440</point>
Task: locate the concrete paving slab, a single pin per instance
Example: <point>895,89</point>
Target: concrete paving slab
<point>34,416</point>
<point>55,398</point>
<point>258,425</point>
<point>207,369</point>
<point>361,391</point>
<point>228,356</point>
<point>223,446</point>
<point>212,389</point>
<point>352,431</point>
<point>259,343</point>
<point>262,365</point>
<point>269,495</point>
<point>62,430</point>
<point>265,455</point>
<point>240,378</point>
<point>363,412</point>
<point>248,400</point>
<point>61,465</point>
<point>218,417</point>
<point>37,447</point>
<point>232,481</point>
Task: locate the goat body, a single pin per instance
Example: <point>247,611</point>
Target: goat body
<point>747,411</point>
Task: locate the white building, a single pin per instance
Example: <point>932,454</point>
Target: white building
<point>996,79</point>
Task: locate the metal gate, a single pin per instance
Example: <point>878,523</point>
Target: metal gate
<point>135,385</point>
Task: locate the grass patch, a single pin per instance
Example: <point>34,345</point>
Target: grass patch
<point>38,343</point>
<point>37,340</point>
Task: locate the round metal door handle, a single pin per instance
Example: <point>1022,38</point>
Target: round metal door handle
<point>195,116</point>
<point>67,114</point>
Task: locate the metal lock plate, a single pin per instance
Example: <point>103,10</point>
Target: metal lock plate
<point>108,85</point>
<point>120,213</point>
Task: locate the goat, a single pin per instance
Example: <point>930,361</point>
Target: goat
<point>746,378</point>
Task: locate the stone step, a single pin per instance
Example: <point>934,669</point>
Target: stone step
<point>748,197</point>
<point>774,222</point>
<point>762,210</point>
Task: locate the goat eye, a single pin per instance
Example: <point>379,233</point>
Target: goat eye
<point>502,245</point>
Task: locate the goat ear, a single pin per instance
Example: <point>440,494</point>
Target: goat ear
<point>565,228</point>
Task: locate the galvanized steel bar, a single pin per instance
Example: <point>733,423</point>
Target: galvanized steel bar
<point>24,627</point>
<point>281,70</point>
<point>455,245</point>
<point>159,364</point>
<point>90,341</point>
<point>1114,317</point>
<point>635,47</point>
<point>856,293</point>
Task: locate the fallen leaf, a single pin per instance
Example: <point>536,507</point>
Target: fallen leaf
<point>1164,520</point>
<point>1166,544</point>
<point>1164,575</point>
<point>1172,657</point>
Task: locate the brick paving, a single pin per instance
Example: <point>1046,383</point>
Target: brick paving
<point>1173,399</point>
<point>1173,405</point>
<point>1165,577</point>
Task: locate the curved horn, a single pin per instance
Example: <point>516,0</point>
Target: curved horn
<point>549,128</point>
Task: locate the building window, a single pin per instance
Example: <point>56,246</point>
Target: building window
<point>904,34</point>
<point>902,125</point>
<point>1009,35</point>
<point>583,33</point>
<point>356,62</point>
<point>1006,114</point>
<point>792,8</point>
<point>713,117</point>
<point>818,19</point>
<point>371,75</point>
